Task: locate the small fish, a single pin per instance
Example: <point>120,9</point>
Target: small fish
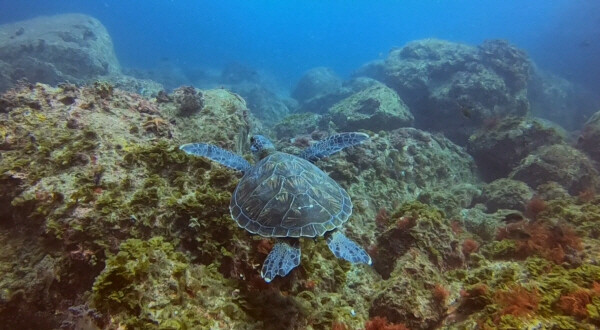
<point>585,44</point>
<point>466,111</point>
<point>513,217</point>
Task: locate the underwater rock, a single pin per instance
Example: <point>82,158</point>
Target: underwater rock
<point>509,62</point>
<point>398,166</point>
<point>475,220</point>
<point>374,69</point>
<point>236,72</point>
<point>373,108</point>
<point>319,89</point>
<point>451,199</point>
<point>560,100</point>
<point>148,284</point>
<point>500,145</point>
<point>71,47</point>
<point>188,99</point>
<point>589,140</point>
<point>83,169</point>
<point>224,120</point>
<point>408,295</point>
<point>295,125</point>
<point>316,82</point>
<point>453,88</point>
<point>560,163</point>
<point>416,226</point>
<point>265,104</point>
<point>145,87</point>
<point>166,73</point>
<point>505,194</point>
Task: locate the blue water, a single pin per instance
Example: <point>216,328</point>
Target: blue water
<point>285,38</point>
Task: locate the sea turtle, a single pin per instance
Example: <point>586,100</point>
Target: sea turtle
<point>287,197</point>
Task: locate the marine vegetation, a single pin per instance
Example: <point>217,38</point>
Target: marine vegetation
<point>109,219</point>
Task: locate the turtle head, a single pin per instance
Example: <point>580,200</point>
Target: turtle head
<point>261,146</point>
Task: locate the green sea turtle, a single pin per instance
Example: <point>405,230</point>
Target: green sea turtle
<point>288,197</point>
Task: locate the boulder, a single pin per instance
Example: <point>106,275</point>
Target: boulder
<point>236,73</point>
<point>505,194</point>
<point>453,88</point>
<point>375,108</point>
<point>560,163</point>
<point>407,296</point>
<point>263,102</point>
<point>316,82</point>
<point>298,124</point>
<point>71,47</point>
<point>318,90</point>
<point>560,100</point>
<point>500,144</point>
<point>589,140</point>
<point>399,166</point>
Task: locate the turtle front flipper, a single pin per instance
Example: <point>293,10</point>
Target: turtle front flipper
<point>344,248</point>
<point>281,260</point>
<point>333,144</point>
<point>222,156</point>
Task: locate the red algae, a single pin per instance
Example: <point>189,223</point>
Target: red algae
<point>469,246</point>
<point>548,241</point>
<point>534,207</point>
<point>382,218</point>
<point>517,301</point>
<point>381,323</point>
<point>440,294</point>
<point>339,326</point>
<point>575,303</point>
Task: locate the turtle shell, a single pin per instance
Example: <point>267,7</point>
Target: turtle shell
<point>287,196</point>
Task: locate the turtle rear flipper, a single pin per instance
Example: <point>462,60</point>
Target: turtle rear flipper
<point>333,144</point>
<point>222,156</point>
<point>281,260</point>
<point>344,248</point>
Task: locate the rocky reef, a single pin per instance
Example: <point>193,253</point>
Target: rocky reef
<point>480,216</point>
<point>124,230</point>
<point>55,49</point>
<point>455,88</point>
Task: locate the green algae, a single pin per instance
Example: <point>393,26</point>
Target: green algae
<point>584,215</point>
<point>499,249</point>
<point>149,285</point>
